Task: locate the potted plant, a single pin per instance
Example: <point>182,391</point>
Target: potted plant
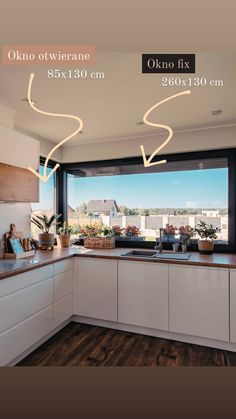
<point>169,232</point>
<point>117,230</point>
<point>98,237</point>
<point>64,234</point>
<point>207,233</point>
<point>45,223</point>
<point>185,235</point>
<point>132,232</point>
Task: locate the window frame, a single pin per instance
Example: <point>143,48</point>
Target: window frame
<point>230,154</point>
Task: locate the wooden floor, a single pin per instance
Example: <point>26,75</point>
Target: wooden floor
<point>82,345</point>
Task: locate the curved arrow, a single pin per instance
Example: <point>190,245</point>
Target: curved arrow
<point>147,162</point>
<point>46,177</point>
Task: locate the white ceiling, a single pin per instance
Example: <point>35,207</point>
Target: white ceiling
<point>121,31</point>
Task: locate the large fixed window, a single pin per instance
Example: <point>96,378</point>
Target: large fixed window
<point>189,188</point>
<point>47,199</point>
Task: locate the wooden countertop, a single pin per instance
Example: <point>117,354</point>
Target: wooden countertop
<point>43,258</point>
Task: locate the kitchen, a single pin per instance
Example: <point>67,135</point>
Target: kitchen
<point>137,291</point>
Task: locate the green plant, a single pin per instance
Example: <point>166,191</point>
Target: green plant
<point>45,223</point>
<point>117,230</point>
<point>185,234</point>
<point>67,229</point>
<point>93,230</point>
<point>131,231</point>
<point>107,231</point>
<point>206,231</point>
<point>169,230</point>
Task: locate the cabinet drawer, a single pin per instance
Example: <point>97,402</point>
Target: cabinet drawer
<point>17,282</point>
<point>63,266</point>
<point>63,309</point>
<point>18,339</point>
<point>63,284</point>
<point>20,305</point>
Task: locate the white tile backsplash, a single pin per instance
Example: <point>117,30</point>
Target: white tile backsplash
<point>18,214</point>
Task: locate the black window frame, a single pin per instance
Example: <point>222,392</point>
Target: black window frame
<point>229,154</point>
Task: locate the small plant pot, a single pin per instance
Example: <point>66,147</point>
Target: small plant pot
<point>175,247</point>
<point>64,240</point>
<point>206,247</point>
<point>46,241</point>
<point>184,248</point>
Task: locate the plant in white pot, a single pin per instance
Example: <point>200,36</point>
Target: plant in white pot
<point>45,223</point>
<point>207,233</point>
<point>64,234</point>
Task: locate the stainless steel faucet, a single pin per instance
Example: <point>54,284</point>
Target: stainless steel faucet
<point>159,246</point>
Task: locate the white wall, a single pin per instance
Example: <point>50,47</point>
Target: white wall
<point>46,147</point>
<point>204,139</point>
<point>6,116</point>
<point>22,151</point>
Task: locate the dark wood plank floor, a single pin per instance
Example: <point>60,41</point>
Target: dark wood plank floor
<point>83,345</point>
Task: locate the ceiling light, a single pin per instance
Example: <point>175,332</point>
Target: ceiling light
<point>217,112</point>
<point>26,101</point>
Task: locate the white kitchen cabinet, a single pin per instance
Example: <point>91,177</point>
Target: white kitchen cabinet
<point>63,309</point>
<point>96,288</point>
<point>233,305</point>
<point>20,338</point>
<point>143,294</point>
<point>18,149</point>
<point>63,290</point>
<point>199,301</point>
<point>63,284</point>
<point>18,282</point>
<point>18,306</point>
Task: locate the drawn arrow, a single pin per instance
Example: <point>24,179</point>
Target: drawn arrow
<point>148,162</point>
<point>44,178</point>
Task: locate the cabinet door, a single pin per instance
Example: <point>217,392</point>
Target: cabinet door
<point>143,294</point>
<point>199,301</point>
<point>63,309</point>
<point>96,288</point>
<point>233,305</point>
<point>63,284</point>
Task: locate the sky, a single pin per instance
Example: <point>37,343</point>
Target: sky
<point>182,189</point>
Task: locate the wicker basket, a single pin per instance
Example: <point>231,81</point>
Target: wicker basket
<point>99,242</point>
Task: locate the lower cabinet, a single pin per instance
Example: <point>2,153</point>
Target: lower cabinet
<point>96,288</point>
<point>143,294</point>
<point>199,301</point>
<point>32,305</point>
<point>63,309</point>
<point>21,337</point>
<point>233,305</point>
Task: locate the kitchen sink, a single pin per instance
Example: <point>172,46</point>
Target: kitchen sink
<point>156,255</point>
<point>141,253</point>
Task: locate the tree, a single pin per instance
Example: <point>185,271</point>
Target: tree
<point>82,209</point>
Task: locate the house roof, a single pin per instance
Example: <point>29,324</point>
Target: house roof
<point>102,205</point>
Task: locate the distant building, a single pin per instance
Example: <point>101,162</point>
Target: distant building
<point>210,213</point>
<point>70,211</point>
<point>102,207</point>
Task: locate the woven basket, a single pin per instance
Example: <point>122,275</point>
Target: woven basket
<point>99,242</point>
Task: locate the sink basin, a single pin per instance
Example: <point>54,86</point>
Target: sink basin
<point>140,253</point>
<point>166,255</point>
<point>152,254</point>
